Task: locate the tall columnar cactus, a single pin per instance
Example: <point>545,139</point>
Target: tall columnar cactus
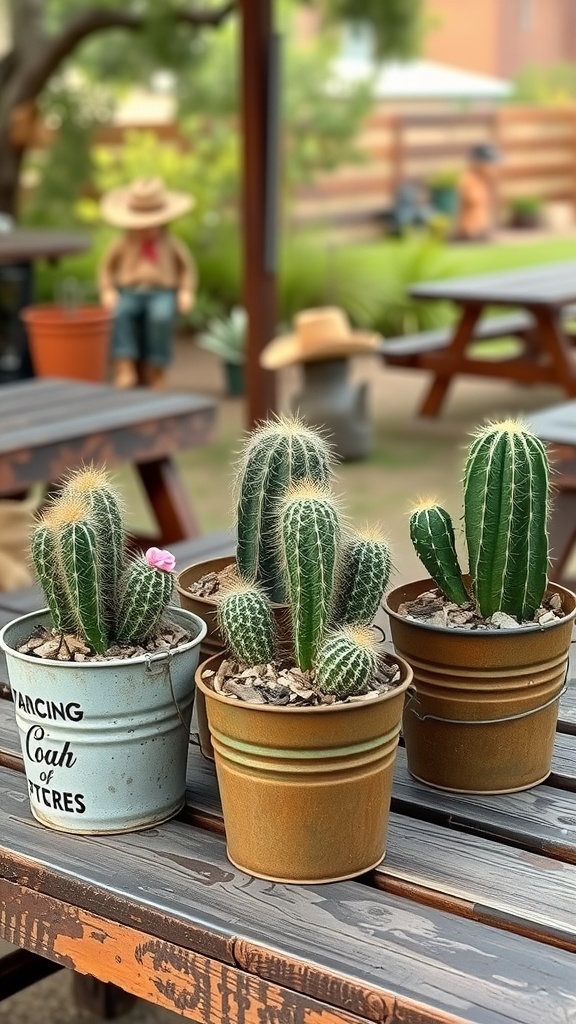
<point>280,453</point>
<point>432,535</point>
<point>93,485</point>
<point>91,590</point>
<point>366,563</point>
<point>310,538</point>
<point>347,661</point>
<point>506,483</point>
<point>247,624</point>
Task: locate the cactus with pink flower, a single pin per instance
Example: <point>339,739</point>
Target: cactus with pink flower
<point>93,588</point>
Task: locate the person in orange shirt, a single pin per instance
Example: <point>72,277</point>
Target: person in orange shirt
<point>146,277</point>
<point>475,218</point>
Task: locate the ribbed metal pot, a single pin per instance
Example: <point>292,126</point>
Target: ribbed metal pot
<point>481,715</point>
<point>104,743</point>
<point>305,791</point>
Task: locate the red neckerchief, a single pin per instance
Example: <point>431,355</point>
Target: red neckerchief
<point>149,250</point>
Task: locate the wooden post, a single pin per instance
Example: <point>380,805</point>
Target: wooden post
<point>260,298</point>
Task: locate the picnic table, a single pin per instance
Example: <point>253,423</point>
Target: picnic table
<point>539,297</point>
<point>471,916</point>
<point>50,426</point>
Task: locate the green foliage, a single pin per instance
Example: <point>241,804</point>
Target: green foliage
<point>506,484</point>
<point>406,263</point>
<point>523,206</point>
<point>226,336</point>
<point>546,84</point>
<point>397,24</point>
<point>78,551</point>
<point>284,491</point>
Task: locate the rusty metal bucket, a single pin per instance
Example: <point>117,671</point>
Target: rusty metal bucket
<point>305,791</point>
<point>481,715</point>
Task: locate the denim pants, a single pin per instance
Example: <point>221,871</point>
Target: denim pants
<point>143,325</point>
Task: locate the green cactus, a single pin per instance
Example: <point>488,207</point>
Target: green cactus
<point>144,593</point>
<point>247,624</point>
<point>432,535</point>
<point>78,552</point>
<point>310,537</point>
<point>92,483</point>
<point>346,662</point>
<point>506,483</point>
<point>278,454</point>
<point>363,576</point>
<point>80,569</point>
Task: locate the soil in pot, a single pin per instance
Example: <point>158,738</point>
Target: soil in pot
<point>481,717</point>
<point>305,789</point>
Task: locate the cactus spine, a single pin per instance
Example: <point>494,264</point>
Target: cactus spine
<point>144,594</point>
<point>78,552</point>
<point>247,624</point>
<point>432,535</point>
<point>363,577</point>
<point>280,453</point>
<point>346,662</point>
<point>310,531</point>
<point>505,509</point>
<point>506,483</point>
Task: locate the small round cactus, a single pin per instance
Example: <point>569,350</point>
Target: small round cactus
<point>144,591</point>
<point>347,661</point>
<point>247,624</point>
<point>363,576</point>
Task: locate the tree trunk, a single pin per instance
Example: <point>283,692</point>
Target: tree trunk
<point>10,164</point>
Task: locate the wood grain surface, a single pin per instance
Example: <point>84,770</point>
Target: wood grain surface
<point>345,944</point>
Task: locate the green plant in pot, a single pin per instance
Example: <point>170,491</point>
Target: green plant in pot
<point>225,337</point>
<point>305,722</point>
<point>281,452</point>
<point>489,650</point>
<point>102,680</point>
<point>526,211</point>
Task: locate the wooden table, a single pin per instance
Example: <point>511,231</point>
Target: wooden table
<point>49,426</point>
<point>556,426</point>
<point>25,245</point>
<point>471,917</point>
<point>542,291</point>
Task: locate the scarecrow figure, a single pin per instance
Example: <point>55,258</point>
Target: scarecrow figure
<point>146,277</point>
<point>476,213</point>
<point>323,343</point>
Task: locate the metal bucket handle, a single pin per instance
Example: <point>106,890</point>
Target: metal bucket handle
<point>412,695</point>
<point>160,660</point>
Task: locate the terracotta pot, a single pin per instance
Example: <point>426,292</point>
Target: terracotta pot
<point>305,791</point>
<point>481,716</point>
<point>69,343</point>
<point>213,643</point>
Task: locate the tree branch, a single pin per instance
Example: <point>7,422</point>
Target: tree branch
<point>95,19</point>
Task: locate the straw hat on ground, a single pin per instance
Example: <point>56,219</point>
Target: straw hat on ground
<point>145,203</point>
<point>319,334</point>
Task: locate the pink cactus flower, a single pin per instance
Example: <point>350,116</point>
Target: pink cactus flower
<point>159,559</point>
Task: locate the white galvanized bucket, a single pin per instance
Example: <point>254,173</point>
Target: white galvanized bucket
<point>104,743</point>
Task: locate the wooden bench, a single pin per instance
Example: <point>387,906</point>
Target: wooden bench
<point>406,350</point>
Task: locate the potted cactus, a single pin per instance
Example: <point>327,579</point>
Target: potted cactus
<point>281,452</point>
<point>482,715</point>
<point>102,679</point>
<point>305,724</point>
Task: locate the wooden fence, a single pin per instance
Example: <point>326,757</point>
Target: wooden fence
<point>537,144</point>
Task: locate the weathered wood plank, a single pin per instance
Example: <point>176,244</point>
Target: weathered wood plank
<point>564,762</point>
<point>352,945</point>
<point>541,820</point>
<point>567,714</point>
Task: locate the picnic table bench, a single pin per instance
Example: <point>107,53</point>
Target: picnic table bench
<point>50,426</point>
<point>540,300</point>
<point>471,917</point>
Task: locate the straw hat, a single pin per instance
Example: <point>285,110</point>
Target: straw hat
<point>145,203</point>
<point>319,334</point>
